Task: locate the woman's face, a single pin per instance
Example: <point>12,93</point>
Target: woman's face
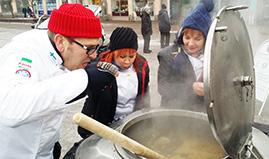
<point>125,60</point>
<point>193,41</point>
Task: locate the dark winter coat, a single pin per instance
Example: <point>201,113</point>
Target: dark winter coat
<point>146,25</point>
<point>164,21</point>
<point>175,79</point>
<point>101,104</point>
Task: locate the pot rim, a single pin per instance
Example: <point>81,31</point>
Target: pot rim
<point>145,114</point>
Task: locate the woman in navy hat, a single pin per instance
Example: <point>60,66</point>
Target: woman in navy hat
<point>180,65</point>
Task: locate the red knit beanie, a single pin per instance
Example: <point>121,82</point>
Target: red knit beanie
<point>74,20</point>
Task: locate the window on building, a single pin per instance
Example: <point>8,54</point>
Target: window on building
<point>51,4</point>
<point>120,8</point>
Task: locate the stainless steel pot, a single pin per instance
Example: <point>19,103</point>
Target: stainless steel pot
<point>168,131</point>
<point>174,133</point>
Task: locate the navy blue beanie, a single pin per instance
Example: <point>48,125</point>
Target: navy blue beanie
<point>198,19</point>
<point>122,38</point>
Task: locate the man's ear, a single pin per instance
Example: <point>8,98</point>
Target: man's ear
<point>59,42</point>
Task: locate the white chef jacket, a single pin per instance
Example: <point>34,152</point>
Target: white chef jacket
<point>127,84</point>
<point>34,88</point>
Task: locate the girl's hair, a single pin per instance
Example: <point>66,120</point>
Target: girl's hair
<point>109,56</point>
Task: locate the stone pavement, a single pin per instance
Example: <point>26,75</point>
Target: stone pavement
<point>17,19</point>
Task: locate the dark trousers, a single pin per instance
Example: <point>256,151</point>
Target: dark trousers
<point>57,150</point>
<point>165,38</point>
<point>24,11</point>
<point>146,42</point>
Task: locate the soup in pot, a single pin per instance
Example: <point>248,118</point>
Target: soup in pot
<point>176,137</point>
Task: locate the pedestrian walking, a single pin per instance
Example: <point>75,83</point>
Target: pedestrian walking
<point>180,72</point>
<point>146,28</point>
<point>164,26</point>
<point>30,12</point>
<point>40,72</point>
<point>24,11</point>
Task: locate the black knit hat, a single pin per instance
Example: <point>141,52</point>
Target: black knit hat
<point>123,37</point>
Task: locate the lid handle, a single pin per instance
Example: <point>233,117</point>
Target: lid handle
<point>236,8</point>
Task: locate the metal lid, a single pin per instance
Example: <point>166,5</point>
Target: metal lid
<point>229,81</point>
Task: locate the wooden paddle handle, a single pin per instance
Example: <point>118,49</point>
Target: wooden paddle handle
<point>116,137</point>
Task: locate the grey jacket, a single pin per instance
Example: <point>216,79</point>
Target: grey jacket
<point>175,79</point>
<point>146,24</point>
<point>164,21</point>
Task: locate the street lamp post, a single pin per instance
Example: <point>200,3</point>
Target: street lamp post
<point>58,3</point>
<point>44,5</point>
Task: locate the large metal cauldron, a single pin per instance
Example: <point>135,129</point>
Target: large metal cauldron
<point>173,133</point>
<point>229,98</point>
<point>178,134</point>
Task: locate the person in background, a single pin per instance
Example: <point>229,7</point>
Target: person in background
<point>180,80</point>
<point>130,91</point>
<point>40,72</point>
<point>127,93</point>
<point>30,11</point>
<point>24,11</point>
<point>164,26</point>
<point>146,28</point>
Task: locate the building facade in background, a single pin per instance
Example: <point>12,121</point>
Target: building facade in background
<point>129,10</point>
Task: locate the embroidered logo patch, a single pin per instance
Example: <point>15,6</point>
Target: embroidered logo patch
<point>23,73</point>
<point>52,56</point>
<point>24,67</point>
<point>25,63</point>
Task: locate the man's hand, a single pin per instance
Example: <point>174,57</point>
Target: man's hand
<point>198,88</point>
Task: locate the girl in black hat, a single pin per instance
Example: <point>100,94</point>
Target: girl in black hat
<point>129,91</point>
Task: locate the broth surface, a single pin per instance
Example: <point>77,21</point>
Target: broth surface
<point>176,137</point>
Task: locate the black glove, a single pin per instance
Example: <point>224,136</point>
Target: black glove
<point>100,75</point>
